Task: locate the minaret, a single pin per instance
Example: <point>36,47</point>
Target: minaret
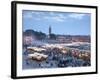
<point>50,30</point>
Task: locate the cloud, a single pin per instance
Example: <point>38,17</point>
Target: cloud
<point>76,16</point>
<point>27,15</point>
<point>52,16</point>
<point>37,13</point>
<point>32,15</point>
<point>38,19</point>
<point>52,13</point>
<point>55,17</point>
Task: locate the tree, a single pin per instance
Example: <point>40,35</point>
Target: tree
<point>29,32</point>
<point>52,36</point>
<point>39,35</point>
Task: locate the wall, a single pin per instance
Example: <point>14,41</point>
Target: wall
<point>5,40</point>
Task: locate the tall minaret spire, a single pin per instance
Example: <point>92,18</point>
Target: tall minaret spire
<point>50,30</point>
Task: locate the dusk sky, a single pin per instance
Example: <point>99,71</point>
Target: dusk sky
<point>61,22</point>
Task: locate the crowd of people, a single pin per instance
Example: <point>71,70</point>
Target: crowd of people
<point>59,57</point>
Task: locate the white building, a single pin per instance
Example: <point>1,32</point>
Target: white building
<point>27,40</point>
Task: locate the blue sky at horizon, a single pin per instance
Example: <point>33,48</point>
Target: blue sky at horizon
<point>65,23</point>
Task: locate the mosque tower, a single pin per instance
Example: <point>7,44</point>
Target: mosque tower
<point>50,31</point>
